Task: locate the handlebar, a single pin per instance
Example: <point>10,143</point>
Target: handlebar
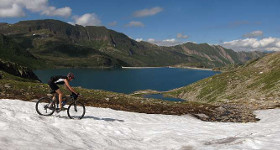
<point>75,96</point>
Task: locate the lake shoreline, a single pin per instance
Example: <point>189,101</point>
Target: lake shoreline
<point>123,67</point>
<point>194,68</point>
<point>140,67</point>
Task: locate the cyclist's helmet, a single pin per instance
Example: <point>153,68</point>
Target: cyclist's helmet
<point>71,75</point>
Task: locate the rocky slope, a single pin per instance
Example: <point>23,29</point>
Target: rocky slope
<point>61,44</point>
<point>17,70</point>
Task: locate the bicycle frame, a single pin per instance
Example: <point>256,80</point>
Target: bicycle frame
<point>55,100</point>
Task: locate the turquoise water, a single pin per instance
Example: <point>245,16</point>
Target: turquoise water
<point>129,80</point>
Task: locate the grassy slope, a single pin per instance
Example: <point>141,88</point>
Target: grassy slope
<point>254,85</point>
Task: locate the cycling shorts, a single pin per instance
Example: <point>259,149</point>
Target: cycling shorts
<point>53,86</point>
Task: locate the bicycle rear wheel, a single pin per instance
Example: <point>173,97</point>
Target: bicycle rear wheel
<point>76,110</point>
<point>43,106</point>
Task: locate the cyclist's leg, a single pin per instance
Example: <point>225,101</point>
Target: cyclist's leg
<point>53,87</point>
<point>53,99</point>
<point>60,94</point>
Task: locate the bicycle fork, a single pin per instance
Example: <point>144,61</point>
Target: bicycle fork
<point>75,106</point>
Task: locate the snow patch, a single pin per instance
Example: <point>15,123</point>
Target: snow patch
<point>102,128</point>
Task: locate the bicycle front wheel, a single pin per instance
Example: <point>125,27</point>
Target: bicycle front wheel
<point>76,110</point>
<point>44,106</point>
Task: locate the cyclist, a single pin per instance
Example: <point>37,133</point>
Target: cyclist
<point>54,80</point>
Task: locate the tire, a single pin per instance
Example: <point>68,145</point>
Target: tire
<point>76,110</point>
<point>42,107</point>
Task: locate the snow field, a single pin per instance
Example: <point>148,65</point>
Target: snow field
<point>102,128</point>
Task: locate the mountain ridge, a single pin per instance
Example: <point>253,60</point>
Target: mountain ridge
<point>96,46</point>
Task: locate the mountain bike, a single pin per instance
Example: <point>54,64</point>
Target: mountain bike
<point>46,106</point>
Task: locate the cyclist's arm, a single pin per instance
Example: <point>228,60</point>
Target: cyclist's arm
<point>69,87</point>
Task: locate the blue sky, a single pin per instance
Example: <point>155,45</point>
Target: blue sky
<point>240,24</point>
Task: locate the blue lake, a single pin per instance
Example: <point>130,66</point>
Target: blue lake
<point>129,80</point>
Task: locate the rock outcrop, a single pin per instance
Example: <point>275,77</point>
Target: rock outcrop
<point>17,70</point>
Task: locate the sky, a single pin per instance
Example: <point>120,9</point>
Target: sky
<point>103,128</point>
<point>242,25</point>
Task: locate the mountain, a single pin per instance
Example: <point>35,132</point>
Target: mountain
<point>60,44</point>
<point>46,42</point>
<point>212,56</point>
<point>254,85</point>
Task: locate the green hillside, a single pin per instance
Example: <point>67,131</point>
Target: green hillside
<point>255,85</point>
<point>10,50</point>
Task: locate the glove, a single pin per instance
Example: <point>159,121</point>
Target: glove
<point>75,96</point>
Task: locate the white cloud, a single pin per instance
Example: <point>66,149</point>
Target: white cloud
<point>139,39</point>
<point>253,34</point>
<point>14,8</point>
<point>151,40</point>
<point>166,42</point>
<point>268,41</point>
<point>5,3</point>
<point>253,44</point>
<point>12,11</point>
<point>33,5</point>
<point>278,44</point>
<point>135,24</point>
<point>52,11</point>
<point>182,36</point>
<point>147,12</point>
<point>169,40</point>
<point>87,20</point>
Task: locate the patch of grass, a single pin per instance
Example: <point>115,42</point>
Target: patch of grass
<point>231,97</point>
<point>214,87</point>
<point>177,92</point>
<point>266,81</point>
